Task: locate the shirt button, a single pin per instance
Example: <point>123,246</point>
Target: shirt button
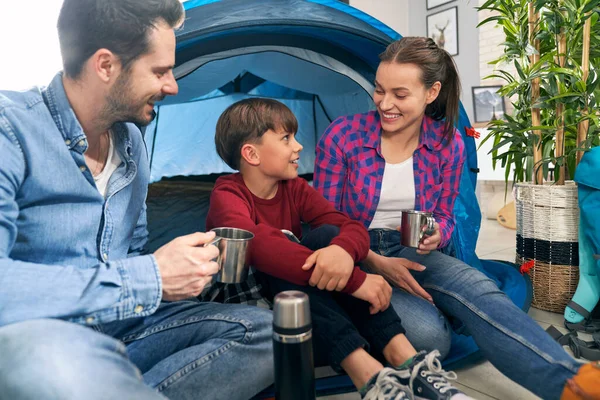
<point>81,142</point>
<point>67,142</point>
<point>138,309</point>
<point>82,168</point>
<point>90,320</point>
<point>105,255</point>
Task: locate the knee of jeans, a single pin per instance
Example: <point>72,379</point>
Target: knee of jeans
<point>260,321</point>
<point>261,318</point>
<point>431,335</point>
<point>475,282</point>
<point>41,357</point>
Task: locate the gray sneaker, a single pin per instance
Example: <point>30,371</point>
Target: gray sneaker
<point>386,386</point>
<point>427,379</point>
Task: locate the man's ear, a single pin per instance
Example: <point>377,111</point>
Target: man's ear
<point>105,65</point>
<point>250,154</point>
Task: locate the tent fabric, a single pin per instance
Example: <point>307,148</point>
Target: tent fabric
<point>315,87</point>
<point>289,66</point>
<point>189,148</point>
<point>319,57</point>
<point>332,27</point>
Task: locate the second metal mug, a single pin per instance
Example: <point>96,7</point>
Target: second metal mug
<point>233,257</point>
<point>411,227</point>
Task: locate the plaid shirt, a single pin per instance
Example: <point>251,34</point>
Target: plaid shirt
<point>248,292</point>
<point>349,169</point>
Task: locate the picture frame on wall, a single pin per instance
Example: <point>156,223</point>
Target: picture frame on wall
<point>442,27</point>
<point>436,3</point>
<point>488,105</point>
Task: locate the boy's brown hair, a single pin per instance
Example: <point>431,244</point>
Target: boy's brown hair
<point>246,121</point>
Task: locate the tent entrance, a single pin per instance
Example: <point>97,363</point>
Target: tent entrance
<point>316,87</point>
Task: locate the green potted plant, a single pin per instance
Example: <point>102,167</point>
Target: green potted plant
<point>553,50</point>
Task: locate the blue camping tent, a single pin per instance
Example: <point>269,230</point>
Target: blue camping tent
<point>319,57</point>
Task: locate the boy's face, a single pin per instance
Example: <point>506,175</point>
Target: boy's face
<point>279,153</point>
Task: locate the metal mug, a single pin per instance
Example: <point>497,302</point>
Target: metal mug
<point>411,227</point>
<point>233,254</point>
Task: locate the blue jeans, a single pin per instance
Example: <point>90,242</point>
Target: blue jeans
<point>507,337</point>
<point>186,350</point>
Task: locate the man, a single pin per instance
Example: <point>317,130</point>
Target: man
<point>81,315</point>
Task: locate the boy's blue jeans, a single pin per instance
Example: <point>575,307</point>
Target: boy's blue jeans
<point>186,350</point>
<point>512,341</point>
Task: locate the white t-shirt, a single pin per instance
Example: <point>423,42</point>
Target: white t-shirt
<point>112,163</point>
<point>397,193</point>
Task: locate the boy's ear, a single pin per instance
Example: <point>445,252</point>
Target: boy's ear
<point>250,154</point>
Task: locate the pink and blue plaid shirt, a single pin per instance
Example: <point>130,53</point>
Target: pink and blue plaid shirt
<point>349,169</point>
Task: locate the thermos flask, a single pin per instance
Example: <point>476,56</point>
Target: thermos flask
<point>292,347</point>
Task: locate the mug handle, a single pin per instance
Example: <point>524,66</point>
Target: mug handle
<point>215,241</point>
<point>430,227</point>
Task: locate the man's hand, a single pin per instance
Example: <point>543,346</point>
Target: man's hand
<point>430,243</point>
<point>396,270</point>
<point>185,266</point>
<point>333,267</point>
<point>376,291</point>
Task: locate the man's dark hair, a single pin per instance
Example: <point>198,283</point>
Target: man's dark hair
<point>246,122</point>
<point>121,26</point>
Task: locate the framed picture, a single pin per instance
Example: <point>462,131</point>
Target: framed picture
<point>487,103</point>
<point>436,3</point>
<point>442,27</point>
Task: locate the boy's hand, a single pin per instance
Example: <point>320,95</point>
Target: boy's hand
<point>376,291</point>
<point>333,267</point>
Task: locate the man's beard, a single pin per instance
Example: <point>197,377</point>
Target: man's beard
<point>122,107</point>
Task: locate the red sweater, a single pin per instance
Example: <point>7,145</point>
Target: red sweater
<point>233,205</point>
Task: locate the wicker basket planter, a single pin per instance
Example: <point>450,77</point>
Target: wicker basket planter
<point>547,235</point>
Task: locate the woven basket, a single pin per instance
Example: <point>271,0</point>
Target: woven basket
<point>547,235</point>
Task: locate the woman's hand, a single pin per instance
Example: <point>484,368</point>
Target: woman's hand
<point>430,243</point>
<point>396,270</point>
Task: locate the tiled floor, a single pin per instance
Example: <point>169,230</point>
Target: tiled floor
<point>483,381</point>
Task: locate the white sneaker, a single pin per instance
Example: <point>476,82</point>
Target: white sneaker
<point>427,379</point>
<point>386,386</point>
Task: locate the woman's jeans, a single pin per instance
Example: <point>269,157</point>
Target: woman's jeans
<point>507,337</point>
<point>186,350</point>
<point>341,323</point>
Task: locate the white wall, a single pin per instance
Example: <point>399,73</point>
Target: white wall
<point>29,43</point>
<point>393,13</point>
<point>486,172</point>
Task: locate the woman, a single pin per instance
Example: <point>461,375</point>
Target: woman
<point>408,155</point>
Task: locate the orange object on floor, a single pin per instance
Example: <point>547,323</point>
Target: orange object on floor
<point>585,385</point>
<point>507,216</point>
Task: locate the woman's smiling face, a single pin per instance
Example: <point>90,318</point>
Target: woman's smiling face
<point>401,97</point>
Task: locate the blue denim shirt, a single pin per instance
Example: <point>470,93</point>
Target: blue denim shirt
<point>66,251</point>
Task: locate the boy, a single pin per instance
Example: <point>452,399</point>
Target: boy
<point>349,307</point>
